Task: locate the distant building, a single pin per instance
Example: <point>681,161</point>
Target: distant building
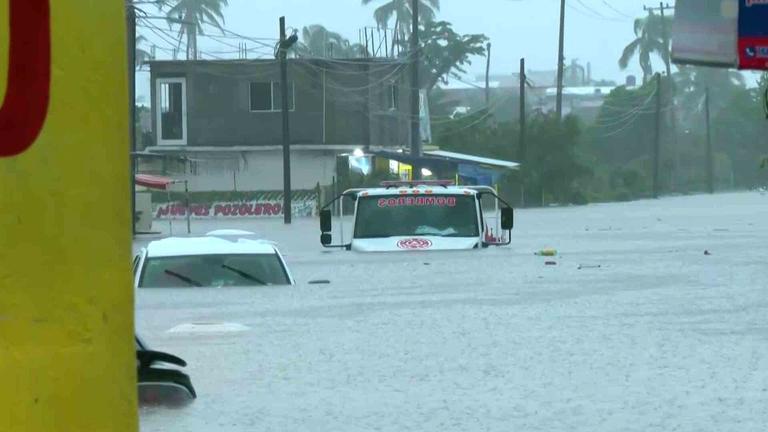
<point>582,95</point>
<point>223,117</point>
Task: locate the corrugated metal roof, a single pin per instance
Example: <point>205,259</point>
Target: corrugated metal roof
<point>475,159</point>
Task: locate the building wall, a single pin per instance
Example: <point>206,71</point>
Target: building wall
<point>335,102</point>
<point>258,170</point>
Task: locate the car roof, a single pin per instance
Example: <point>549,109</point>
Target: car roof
<point>431,190</point>
<point>209,245</point>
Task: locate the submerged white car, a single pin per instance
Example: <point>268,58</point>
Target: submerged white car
<point>219,259</point>
<point>425,215</point>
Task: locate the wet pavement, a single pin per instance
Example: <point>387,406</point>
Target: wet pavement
<point>634,328</point>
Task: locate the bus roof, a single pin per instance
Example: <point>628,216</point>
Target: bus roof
<point>419,190</point>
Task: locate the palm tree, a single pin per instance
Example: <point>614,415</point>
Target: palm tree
<point>317,41</point>
<point>649,39</point>
<point>401,9</point>
<point>193,14</point>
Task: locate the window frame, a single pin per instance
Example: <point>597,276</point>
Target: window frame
<point>159,110</point>
<point>272,84</point>
<point>393,99</point>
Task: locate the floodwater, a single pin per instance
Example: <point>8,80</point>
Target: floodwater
<point>634,328</point>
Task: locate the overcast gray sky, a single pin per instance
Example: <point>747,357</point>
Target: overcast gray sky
<point>596,30</point>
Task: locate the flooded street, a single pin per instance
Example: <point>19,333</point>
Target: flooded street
<point>653,317</point>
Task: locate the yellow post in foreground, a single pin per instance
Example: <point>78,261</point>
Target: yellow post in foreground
<point>67,356</point>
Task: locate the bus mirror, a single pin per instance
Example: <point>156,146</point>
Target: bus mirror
<point>325,221</point>
<point>507,218</point>
<point>326,239</point>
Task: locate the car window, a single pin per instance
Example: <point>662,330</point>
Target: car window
<point>136,260</point>
<point>220,270</point>
<point>433,215</point>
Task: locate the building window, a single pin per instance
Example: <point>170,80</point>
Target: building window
<point>261,96</point>
<point>266,96</point>
<point>171,102</point>
<point>393,97</point>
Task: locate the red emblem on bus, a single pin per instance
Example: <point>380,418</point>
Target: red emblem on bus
<point>414,243</point>
<point>25,107</point>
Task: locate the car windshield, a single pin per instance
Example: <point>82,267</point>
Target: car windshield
<point>213,271</point>
<point>429,215</point>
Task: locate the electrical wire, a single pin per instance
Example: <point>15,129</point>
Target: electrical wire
<point>605,2</point>
<point>628,98</point>
<point>387,78</point>
<point>160,33</point>
<point>593,14</point>
<point>617,131</point>
<point>259,41</point>
<point>165,36</point>
<point>384,66</point>
<point>597,13</point>
<point>629,122</point>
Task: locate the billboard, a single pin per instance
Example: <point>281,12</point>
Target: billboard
<point>753,34</point>
<point>705,32</point>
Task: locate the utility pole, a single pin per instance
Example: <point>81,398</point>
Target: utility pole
<point>131,27</point>
<point>367,109</point>
<point>415,111</point>
<point>283,54</point>
<point>668,64</point>
<point>523,145</point>
<point>488,74</point>
<point>710,161</point>
<point>657,138</point>
<point>560,61</point>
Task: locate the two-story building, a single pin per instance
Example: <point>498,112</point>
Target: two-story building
<point>224,117</point>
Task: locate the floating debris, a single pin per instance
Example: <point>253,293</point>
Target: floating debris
<point>549,252</point>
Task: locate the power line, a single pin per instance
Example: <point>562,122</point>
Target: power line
<point>162,34</point>
<point>591,13</point>
<point>387,78</point>
<point>613,8</point>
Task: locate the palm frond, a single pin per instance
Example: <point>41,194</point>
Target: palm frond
<point>384,13</point>
<point>628,53</point>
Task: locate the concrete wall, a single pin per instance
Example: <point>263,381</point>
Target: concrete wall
<point>259,170</point>
<point>339,102</point>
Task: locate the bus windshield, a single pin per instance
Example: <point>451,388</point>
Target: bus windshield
<point>416,215</point>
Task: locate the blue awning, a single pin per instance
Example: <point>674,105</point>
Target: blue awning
<point>477,175</point>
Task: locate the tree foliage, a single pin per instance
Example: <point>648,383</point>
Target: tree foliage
<point>317,41</point>
<point>649,40</point>
<point>446,53</point>
<point>692,83</point>
<point>621,132</point>
<point>553,169</point>
<point>740,132</point>
<point>194,14</point>
<point>401,11</point>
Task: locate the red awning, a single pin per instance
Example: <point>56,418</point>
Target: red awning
<point>154,182</point>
